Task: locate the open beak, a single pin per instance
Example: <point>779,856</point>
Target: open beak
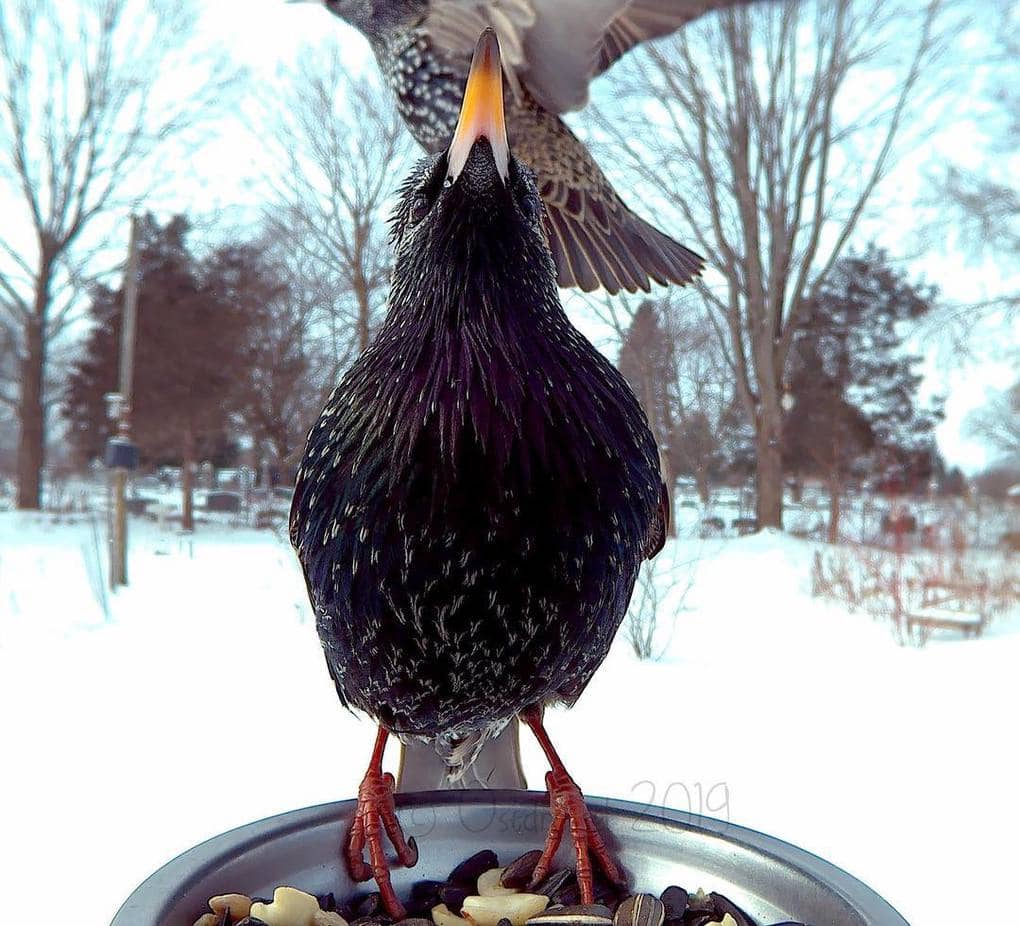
<point>481,113</point>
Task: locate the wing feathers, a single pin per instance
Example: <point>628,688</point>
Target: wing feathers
<point>454,27</point>
<point>643,20</point>
<point>556,47</point>
<point>629,254</point>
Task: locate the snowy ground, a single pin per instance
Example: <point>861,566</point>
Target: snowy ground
<point>196,700</point>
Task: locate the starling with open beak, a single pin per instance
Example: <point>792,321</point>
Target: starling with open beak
<point>479,492</point>
<point>553,49</point>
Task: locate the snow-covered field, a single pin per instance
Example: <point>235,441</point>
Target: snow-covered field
<point>196,700</point>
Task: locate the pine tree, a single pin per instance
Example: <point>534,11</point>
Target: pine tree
<point>191,356</point>
<point>287,372</point>
<point>646,362</point>
<point>855,385</point>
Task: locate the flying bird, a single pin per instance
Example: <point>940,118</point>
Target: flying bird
<point>479,492</point>
<point>553,49</point>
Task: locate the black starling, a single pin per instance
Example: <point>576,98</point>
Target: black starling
<point>553,49</point>
<point>480,490</point>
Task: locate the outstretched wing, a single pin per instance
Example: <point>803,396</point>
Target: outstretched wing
<point>595,239</point>
<point>644,20</point>
<point>556,47</point>
<point>551,46</point>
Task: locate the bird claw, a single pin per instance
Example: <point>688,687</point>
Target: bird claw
<point>375,814</point>
<point>567,805</point>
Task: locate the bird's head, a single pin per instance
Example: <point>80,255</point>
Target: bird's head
<point>474,208</point>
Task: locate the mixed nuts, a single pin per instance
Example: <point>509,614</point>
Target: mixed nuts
<point>478,892</point>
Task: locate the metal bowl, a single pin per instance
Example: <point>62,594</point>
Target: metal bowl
<point>772,880</point>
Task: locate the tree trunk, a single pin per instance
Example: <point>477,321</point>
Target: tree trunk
<point>31,410</point>
<point>701,478</point>
<point>187,487</point>
<point>769,477</point>
<point>364,313</point>
<point>835,508</point>
<point>32,415</point>
<point>670,483</point>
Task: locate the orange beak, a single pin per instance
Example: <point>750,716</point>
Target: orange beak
<point>481,113</point>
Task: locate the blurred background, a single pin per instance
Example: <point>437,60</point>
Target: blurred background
<point>194,248</point>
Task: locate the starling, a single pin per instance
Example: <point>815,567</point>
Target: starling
<point>479,492</point>
<point>553,50</point>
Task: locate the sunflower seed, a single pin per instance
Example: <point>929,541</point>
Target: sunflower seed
<point>640,910</point>
<point>674,899</point>
<point>723,905</point>
<point>467,872</point>
<point>330,918</point>
<point>453,896</point>
<point>578,915</point>
<point>518,872</point>
<point>553,884</point>
<point>422,889</point>
<point>369,906</point>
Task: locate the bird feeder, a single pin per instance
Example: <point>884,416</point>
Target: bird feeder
<point>121,454</point>
<point>771,880</point>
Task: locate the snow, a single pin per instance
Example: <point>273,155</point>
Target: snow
<point>196,700</point>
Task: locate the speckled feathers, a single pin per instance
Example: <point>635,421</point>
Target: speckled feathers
<point>479,492</point>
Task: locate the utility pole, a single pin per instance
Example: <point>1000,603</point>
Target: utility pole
<point>121,453</point>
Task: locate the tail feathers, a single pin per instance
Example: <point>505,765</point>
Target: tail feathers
<point>481,759</point>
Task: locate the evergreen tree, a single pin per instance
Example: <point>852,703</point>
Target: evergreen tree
<point>646,362</point>
<point>191,355</point>
<point>855,386</point>
<point>287,371</point>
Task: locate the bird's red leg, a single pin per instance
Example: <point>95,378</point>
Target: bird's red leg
<point>375,814</point>
<point>567,804</point>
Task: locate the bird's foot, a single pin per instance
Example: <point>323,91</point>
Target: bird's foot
<point>567,805</point>
<point>375,814</point>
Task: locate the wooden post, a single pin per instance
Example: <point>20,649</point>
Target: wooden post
<point>119,532</point>
<point>118,536</point>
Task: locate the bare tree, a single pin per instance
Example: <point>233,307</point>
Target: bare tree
<point>295,356</point>
<point>998,423</point>
<point>671,356</point>
<point>343,149</point>
<point>987,199</point>
<point>659,597</point>
<point>705,404</point>
<point>770,143</point>
<point>82,115</point>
